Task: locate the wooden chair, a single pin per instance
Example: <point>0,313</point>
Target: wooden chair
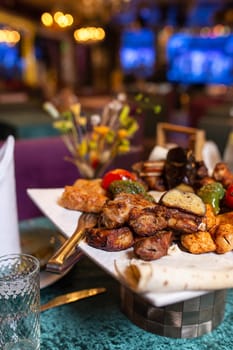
<point>195,137</point>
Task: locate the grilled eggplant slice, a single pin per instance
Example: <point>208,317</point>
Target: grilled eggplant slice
<point>186,201</point>
<point>180,167</point>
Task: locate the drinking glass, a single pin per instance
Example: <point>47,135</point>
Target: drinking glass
<point>19,302</point>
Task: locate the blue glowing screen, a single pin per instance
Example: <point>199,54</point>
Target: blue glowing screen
<point>137,53</point>
<point>10,61</point>
<point>200,60</point>
<point>202,14</point>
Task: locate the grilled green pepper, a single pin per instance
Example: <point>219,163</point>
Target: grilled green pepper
<point>212,194</point>
<point>127,186</point>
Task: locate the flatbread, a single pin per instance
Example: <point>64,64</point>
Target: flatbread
<point>178,271</point>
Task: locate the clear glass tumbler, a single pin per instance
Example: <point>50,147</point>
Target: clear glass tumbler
<point>19,302</point>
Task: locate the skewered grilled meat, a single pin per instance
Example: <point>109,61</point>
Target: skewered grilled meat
<point>145,217</point>
<point>116,212</point>
<point>223,174</point>
<point>156,223</point>
<point>155,182</point>
<point>154,247</point>
<point>110,239</point>
<point>184,222</point>
<point>152,174</point>
<point>146,222</point>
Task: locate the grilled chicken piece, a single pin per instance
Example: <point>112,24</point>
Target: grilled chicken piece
<point>198,242</point>
<point>154,247</point>
<point>146,222</point>
<point>224,238</point>
<point>184,222</point>
<point>110,239</point>
<point>84,195</point>
<point>116,212</point>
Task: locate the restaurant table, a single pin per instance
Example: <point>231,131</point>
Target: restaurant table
<point>97,323</point>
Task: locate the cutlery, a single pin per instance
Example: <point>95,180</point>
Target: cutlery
<point>71,297</point>
<point>67,256</point>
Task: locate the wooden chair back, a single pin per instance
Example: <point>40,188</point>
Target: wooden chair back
<point>195,137</point>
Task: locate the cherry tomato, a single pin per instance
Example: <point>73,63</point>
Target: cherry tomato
<point>229,196</point>
<point>116,174</point>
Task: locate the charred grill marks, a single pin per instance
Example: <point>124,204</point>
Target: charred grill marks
<point>146,222</point>
<point>131,220</point>
<point>152,248</point>
<point>110,240</point>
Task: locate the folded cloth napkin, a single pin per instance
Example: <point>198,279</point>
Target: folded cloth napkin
<point>160,152</point>
<point>9,230</point>
<point>211,155</point>
<point>178,271</point>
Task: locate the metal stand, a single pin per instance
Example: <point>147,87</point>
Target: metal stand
<point>187,319</point>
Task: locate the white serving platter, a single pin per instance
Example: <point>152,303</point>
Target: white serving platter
<point>66,221</point>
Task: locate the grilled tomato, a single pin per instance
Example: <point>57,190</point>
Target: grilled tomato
<point>116,174</point>
<point>229,196</point>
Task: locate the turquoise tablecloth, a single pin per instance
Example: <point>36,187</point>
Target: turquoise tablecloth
<point>98,323</point>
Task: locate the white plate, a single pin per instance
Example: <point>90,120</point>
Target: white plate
<point>47,278</point>
<point>42,242</point>
<point>66,220</point>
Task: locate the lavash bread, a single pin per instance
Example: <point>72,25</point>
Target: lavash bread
<point>178,271</point>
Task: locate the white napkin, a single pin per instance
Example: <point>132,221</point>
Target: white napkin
<point>160,152</point>
<point>9,231</point>
<point>211,155</point>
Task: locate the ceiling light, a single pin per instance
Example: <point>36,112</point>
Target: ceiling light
<point>59,18</point>
<point>9,37</point>
<point>47,19</point>
<point>89,34</point>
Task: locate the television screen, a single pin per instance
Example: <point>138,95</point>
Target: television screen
<point>202,13</point>
<point>137,53</point>
<point>10,62</point>
<point>200,60</point>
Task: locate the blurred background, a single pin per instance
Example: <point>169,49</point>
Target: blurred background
<point>178,52</point>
